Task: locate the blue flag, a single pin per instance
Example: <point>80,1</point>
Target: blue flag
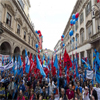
<point>39,66</point>
<point>97,57</point>
<point>56,66</point>
<point>15,66</point>
<point>77,74</point>
<point>86,65</point>
<point>20,71</point>
<point>27,62</point>
<point>56,62</point>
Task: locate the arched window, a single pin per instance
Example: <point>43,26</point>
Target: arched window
<point>81,35</point>
<point>89,29</point>
<point>77,39</point>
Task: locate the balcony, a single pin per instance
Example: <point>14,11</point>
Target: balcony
<point>95,37</point>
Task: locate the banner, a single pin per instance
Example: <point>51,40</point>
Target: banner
<point>89,74</point>
<point>3,59</point>
<point>8,66</point>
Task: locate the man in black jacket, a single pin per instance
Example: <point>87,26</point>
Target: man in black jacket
<point>93,93</point>
<point>63,95</point>
<point>44,95</point>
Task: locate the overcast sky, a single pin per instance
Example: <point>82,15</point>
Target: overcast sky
<point>51,16</point>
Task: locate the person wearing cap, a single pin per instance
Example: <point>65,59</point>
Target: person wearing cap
<point>93,93</point>
<point>86,94</point>
<point>2,90</point>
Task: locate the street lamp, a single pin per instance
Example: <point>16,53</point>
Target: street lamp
<point>1,30</point>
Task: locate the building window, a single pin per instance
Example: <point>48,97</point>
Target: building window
<point>98,24</point>
<point>82,37</point>
<point>21,3</point>
<point>81,18</point>
<point>77,40</point>
<point>89,56</point>
<point>32,42</point>
<point>88,8</point>
<point>24,35</point>
<point>89,31</point>
<point>76,26</point>
<point>18,29</point>
<point>8,19</point>
<point>29,39</point>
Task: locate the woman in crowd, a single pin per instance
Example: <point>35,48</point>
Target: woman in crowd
<point>78,94</point>
<point>52,96</point>
<point>21,97</point>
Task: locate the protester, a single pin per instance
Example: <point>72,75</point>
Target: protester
<point>78,94</point>
<point>98,90</point>
<point>93,93</point>
<point>86,94</point>
<point>21,97</point>
<point>78,86</point>
<point>2,90</point>
<point>51,87</point>
<point>38,89</point>
<point>51,96</point>
<point>44,95</point>
<point>31,95</point>
<point>22,87</point>
<point>63,95</point>
<point>70,93</point>
<point>11,88</point>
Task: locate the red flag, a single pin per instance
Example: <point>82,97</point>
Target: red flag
<point>31,64</point>
<point>98,1</point>
<point>53,69</point>
<point>67,60</point>
<point>40,59</point>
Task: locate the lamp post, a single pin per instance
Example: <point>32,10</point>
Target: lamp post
<point>1,30</point>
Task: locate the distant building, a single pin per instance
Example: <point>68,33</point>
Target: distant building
<point>48,52</point>
<point>86,35</point>
<point>58,49</point>
<point>18,29</point>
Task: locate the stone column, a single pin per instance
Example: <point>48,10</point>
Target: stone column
<point>85,54</point>
<point>84,16</point>
<point>94,22</point>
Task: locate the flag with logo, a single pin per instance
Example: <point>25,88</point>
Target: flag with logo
<point>27,62</point>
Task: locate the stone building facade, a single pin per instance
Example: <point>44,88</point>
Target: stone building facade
<point>18,31</point>
<point>86,36</point>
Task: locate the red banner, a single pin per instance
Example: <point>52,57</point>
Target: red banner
<point>40,43</point>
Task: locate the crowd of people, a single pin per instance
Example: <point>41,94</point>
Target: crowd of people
<point>32,88</point>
